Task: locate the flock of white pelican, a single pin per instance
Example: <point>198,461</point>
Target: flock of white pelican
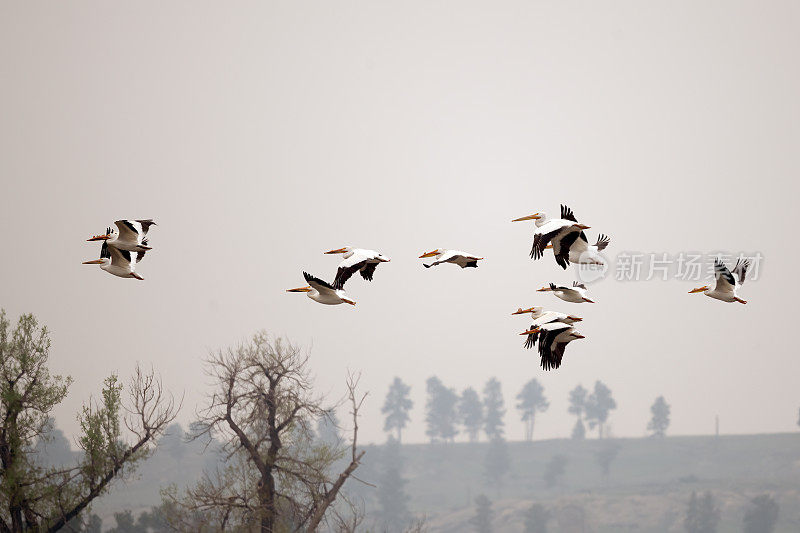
<point>125,246</point>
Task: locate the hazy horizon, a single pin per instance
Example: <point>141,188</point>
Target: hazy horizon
<point>261,136</point>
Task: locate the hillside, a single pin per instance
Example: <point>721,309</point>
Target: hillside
<point>647,487</point>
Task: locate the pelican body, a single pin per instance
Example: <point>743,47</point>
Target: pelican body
<point>575,294</point>
<point>118,262</point>
<point>457,257</point>
<point>130,235</point>
<point>322,292</point>
<point>728,282</point>
<point>356,260</point>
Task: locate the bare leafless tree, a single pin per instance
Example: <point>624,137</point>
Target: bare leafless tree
<point>274,477</point>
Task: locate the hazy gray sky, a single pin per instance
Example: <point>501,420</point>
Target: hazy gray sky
<point>259,135</point>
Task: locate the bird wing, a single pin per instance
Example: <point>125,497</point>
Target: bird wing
<point>550,351</point>
<point>321,286</point>
<point>558,353</point>
<point>531,340</point>
<point>580,245</point>
<point>555,326</point>
<point>104,250</point>
<point>602,242</point>
<point>121,258</point>
<point>543,237</point>
<point>368,271</point>
<point>140,256</point>
<point>548,317</point>
<point>567,214</point>
<point>129,230</point>
<point>146,225</point>
<point>562,245</point>
<point>740,270</point>
<point>725,280</point>
<point>347,268</point>
<point>579,285</point>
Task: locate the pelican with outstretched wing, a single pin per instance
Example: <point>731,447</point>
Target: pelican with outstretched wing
<point>322,291</point>
<point>575,294</point>
<point>556,232</point>
<point>728,282</point>
<point>553,340</point>
<point>356,260</point>
<point>130,235</point>
<point>118,262</point>
<point>457,257</point>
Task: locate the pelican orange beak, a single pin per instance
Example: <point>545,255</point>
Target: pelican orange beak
<point>99,238</point>
<point>93,262</point>
<point>548,247</point>
<point>351,302</point>
<point>588,300</point>
<point>522,311</point>
<point>575,318</point>
<point>582,226</point>
<point>336,251</point>
<point>429,254</point>
<point>544,289</point>
<point>301,289</point>
<point>534,330</point>
<point>535,216</point>
<point>578,336</point>
<point>699,289</point>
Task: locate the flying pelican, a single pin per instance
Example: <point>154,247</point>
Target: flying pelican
<point>130,235</point>
<point>322,291</point>
<point>355,260</point>
<point>575,294</point>
<point>554,339</point>
<point>727,283</point>
<point>581,252</point>
<point>118,262</point>
<point>542,317</point>
<point>555,231</point>
<point>462,259</point>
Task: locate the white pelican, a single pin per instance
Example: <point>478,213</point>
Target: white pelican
<point>555,231</point>
<point>457,257</point>
<point>727,283</point>
<point>322,291</point>
<point>355,260</point>
<point>542,317</point>
<point>575,294</point>
<point>130,235</point>
<point>554,339</point>
<point>118,262</point>
<point>583,253</point>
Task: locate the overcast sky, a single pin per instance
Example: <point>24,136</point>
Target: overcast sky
<point>259,135</point>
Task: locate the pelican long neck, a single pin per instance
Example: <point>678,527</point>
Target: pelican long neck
<point>347,253</point>
<point>536,313</point>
